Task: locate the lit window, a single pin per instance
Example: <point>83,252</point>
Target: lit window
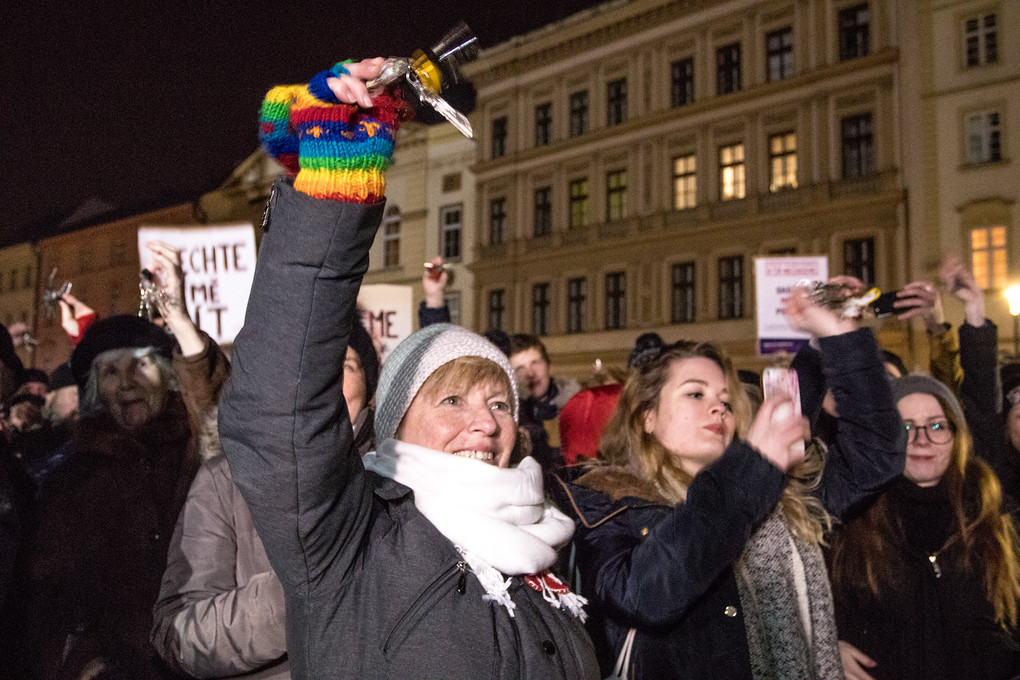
<point>578,113</point>
<point>984,143</point>
<point>685,182</point>
<point>783,161</point>
<point>682,293</point>
<point>779,54</point>
<point>682,83</point>
<point>981,39</point>
<point>988,256</point>
<point>854,32</point>
<point>579,203</point>
<point>616,195</point>
<point>449,237</point>
<point>732,183</point>
<point>727,69</point>
<point>391,237</point>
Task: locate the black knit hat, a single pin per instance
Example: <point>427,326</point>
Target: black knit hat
<point>361,342</point>
<point>61,377</point>
<point>7,355</point>
<point>117,332</point>
<point>36,375</point>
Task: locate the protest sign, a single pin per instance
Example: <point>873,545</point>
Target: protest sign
<point>386,312</point>
<point>774,278</point>
<point>219,265</point>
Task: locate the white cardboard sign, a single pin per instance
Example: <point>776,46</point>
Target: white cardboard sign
<point>775,277</point>
<point>387,314</point>
<point>219,265</point>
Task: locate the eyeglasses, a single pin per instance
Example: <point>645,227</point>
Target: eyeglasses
<point>939,432</point>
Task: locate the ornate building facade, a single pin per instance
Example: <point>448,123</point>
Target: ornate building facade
<point>634,159</point>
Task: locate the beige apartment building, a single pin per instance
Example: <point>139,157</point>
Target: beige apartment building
<point>960,67</point>
<point>633,159</point>
<point>430,210</point>
<point>101,262</point>
<point>18,278</point>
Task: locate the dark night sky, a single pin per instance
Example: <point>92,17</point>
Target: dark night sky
<point>140,102</point>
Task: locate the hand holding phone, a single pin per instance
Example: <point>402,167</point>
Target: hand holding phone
<point>782,383</point>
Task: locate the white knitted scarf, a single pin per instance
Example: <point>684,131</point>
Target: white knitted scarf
<point>497,518</point>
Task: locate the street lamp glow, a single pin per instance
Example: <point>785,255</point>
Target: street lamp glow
<point>1013,296</point>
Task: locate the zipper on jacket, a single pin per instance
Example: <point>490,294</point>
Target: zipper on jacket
<point>462,581</point>
<point>428,597</point>
<point>933,558</point>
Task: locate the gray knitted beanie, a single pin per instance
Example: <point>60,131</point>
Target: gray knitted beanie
<point>412,362</point>
<point>910,384</point>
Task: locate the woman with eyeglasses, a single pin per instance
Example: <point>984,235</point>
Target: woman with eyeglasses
<point>925,581</point>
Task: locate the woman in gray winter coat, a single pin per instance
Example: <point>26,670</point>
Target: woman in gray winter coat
<point>428,559</point>
<point>221,607</point>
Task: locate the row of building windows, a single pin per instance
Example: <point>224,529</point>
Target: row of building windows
<point>449,234</point>
<point>980,37</point>
<point>858,159</point>
<point>988,262</point>
<point>17,279</point>
<point>859,261</point>
<point>854,41</point>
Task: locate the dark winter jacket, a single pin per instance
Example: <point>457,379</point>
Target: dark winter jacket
<point>105,519</point>
<point>373,589</point>
<point>668,571</point>
<point>934,619</point>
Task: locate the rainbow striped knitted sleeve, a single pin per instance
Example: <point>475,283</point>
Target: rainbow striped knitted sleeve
<point>337,151</point>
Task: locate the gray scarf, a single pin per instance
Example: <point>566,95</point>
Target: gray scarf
<point>776,635</point>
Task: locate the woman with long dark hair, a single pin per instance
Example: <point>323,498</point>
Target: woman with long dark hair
<point>927,579</point>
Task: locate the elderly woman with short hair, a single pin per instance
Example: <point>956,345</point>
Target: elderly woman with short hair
<point>428,559</point>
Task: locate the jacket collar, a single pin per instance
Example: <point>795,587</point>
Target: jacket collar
<point>605,491</point>
<point>103,437</point>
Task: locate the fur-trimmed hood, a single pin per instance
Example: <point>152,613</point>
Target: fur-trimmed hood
<point>601,492</point>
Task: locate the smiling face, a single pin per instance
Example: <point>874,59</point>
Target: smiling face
<point>130,385</point>
<point>464,417</point>
<point>693,419</point>
<point>927,461</point>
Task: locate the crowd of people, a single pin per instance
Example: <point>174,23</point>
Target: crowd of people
<point>302,510</point>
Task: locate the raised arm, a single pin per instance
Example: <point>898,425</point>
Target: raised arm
<point>283,421</point>
<point>869,448</point>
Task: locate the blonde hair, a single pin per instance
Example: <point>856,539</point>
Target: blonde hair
<point>626,444</point>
